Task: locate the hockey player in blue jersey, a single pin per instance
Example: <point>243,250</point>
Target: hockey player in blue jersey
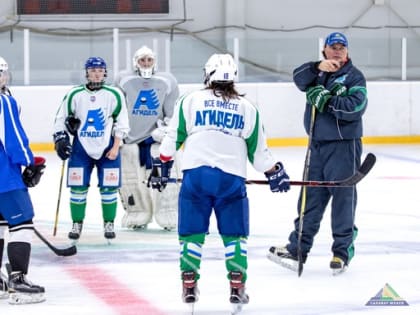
<point>16,210</point>
<point>96,115</point>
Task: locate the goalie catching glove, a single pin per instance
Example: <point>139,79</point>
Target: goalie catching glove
<point>32,173</point>
<point>159,180</point>
<point>278,179</point>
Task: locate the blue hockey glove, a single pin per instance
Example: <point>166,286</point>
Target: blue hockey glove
<point>161,172</point>
<point>339,89</point>
<point>278,179</point>
<point>32,173</point>
<point>62,144</point>
<point>318,96</point>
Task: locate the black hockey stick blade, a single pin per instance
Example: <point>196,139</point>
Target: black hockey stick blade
<point>363,170</point>
<point>300,264</point>
<point>69,251</point>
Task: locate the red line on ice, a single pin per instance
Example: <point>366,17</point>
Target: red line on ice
<point>111,291</point>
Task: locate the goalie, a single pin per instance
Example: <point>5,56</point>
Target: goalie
<point>150,98</point>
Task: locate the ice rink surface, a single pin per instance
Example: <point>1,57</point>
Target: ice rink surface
<point>138,273</point>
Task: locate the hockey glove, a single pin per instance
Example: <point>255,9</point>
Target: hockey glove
<point>157,181</point>
<point>62,144</point>
<point>318,96</point>
<point>278,179</point>
<point>339,89</point>
<point>32,173</point>
<point>72,124</point>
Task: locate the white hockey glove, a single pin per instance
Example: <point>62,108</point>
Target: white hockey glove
<point>162,126</point>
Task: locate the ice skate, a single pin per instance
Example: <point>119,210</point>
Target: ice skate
<point>280,255</point>
<point>4,288</point>
<point>190,292</point>
<point>238,296</point>
<point>109,233</point>
<point>76,231</point>
<point>22,291</point>
<point>337,266</point>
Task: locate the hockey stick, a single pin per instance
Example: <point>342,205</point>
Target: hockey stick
<point>69,251</point>
<point>303,192</point>
<point>59,198</point>
<point>363,170</point>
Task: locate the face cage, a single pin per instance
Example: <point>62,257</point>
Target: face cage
<point>4,77</point>
<point>96,85</point>
<point>146,73</point>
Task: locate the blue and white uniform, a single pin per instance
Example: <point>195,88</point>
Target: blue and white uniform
<point>218,138</point>
<point>15,204</point>
<point>103,116</point>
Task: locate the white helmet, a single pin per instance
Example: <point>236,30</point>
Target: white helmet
<point>220,68</point>
<point>4,75</point>
<point>144,51</point>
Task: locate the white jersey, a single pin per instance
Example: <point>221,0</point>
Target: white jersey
<point>102,114</point>
<point>148,100</point>
<point>218,134</point>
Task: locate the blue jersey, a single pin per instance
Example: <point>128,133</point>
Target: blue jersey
<point>14,146</point>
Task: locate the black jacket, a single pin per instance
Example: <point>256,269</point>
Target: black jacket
<point>342,115</point>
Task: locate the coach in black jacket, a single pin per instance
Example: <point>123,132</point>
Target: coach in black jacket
<point>336,101</point>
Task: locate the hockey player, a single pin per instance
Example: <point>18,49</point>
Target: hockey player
<point>336,99</point>
<point>96,115</point>
<point>220,131</point>
<point>151,98</point>
<point>16,210</point>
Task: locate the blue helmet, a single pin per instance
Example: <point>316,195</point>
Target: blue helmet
<point>91,63</point>
<point>95,62</point>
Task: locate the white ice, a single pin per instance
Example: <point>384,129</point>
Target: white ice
<point>138,273</point>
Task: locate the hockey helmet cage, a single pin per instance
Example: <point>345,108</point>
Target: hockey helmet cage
<point>4,67</point>
<point>220,68</point>
<point>145,72</point>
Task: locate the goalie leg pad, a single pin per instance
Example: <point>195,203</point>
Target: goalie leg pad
<point>135,195</point>
<point>166,206</point>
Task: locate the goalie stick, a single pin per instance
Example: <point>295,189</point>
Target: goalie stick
<point>69,251</point>
<point>363,170</point>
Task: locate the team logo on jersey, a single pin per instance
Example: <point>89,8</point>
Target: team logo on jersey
<point>94,126</point>
<point>146,104</point>
<point>341,79</point>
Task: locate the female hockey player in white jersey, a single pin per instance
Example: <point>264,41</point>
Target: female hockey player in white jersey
<point>219,130</point>
<point>16,210</point>
<point>151,98</point>
<point>96,115</point>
